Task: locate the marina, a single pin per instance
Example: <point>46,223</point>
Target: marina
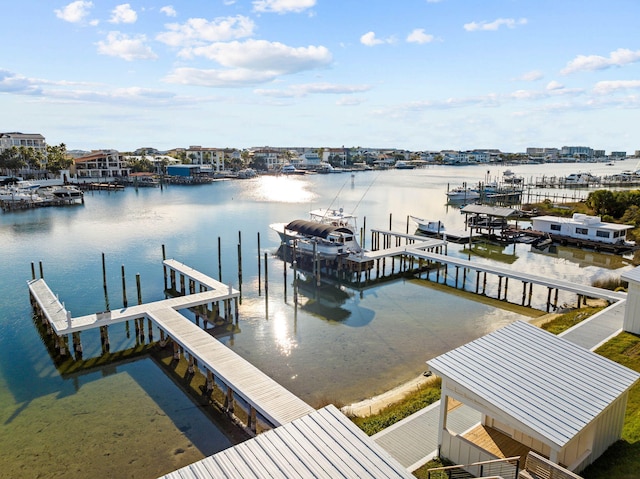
<point>306,351</point>
<point>266,400</point>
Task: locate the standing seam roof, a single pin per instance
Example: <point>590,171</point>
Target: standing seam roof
<point>546,383</point>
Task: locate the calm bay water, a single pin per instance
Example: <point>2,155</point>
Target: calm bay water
<point>341,345</point>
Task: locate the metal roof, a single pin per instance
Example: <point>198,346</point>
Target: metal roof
<point>324,444</point>
<point>549,386</point>
<point>573,221</point>
<point>633,275</point>
<point>497,211</point>
<point>313,228</point>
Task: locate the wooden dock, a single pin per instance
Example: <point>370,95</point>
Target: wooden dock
<point>430,252</point>
<point>266,399</point>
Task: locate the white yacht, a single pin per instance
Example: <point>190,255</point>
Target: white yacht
<point>430,227</point>
<point>462,194</point>
<point>328,233</point>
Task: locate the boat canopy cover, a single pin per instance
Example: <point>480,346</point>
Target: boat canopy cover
<point>313,228</point>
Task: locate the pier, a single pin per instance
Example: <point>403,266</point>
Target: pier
<point>428,254</point>
<point>294,426</point>
<point>265,400</point>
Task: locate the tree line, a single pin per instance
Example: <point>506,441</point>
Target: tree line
<point>53,159</point>
<point>617,206</point>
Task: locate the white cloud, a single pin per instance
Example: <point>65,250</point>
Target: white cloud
<point>239,77</point>
<point>13,83</point>
<point>282,6</point>
<point>261,55</point>
<point>301,90</point>
<point>554,85</point>
<point>250,63</point>
<point>533,75</point>
<point>198,31</point>
<point>617,58</point>
<point>349,101</point>
<point>123,14</point>
<point>68,91</point>
<point>491,26</point>
<point>126,47</point>
<point>419,36</point>
<point>169,11</point>
<point>75,12</point>
<point>611,86</point>
<point>369,39</point>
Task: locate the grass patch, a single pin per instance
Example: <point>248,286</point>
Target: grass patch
<point>413,402</point>
<point>622,459</point>
<point>612,283</point>
<point>570,319</point>
<point>422,472</point>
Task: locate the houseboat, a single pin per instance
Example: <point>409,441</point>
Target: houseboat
<point>581,227</point>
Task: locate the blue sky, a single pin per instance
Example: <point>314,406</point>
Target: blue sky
<point>414,74</point>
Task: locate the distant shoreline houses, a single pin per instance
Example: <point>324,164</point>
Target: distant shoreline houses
<point>110,163</point>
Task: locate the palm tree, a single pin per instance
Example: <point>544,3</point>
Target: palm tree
<point>12,160</point>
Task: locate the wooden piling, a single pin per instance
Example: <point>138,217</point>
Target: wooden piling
<point>219,260</point>
<point>164,267</point>
<point>124,288</point>
<point>266,275</point>
<point>104,283</point>
<point>259,273</point>
<point>240,270</point>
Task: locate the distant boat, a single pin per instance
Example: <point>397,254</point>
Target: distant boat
<point>404,165</point>
<point>289,169</point>
<point>430,227</point>
<point>462,194</point>
<point>61,192</point>
<point>581,178</point>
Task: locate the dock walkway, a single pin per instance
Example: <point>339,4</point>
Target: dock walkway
<point>584,290</point>
<point>271,400</point>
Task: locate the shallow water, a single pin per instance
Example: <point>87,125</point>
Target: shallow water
<point>338,344</point>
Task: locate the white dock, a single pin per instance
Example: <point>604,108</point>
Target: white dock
<point>269,399</point>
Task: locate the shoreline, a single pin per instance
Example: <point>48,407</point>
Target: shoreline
<point>375,404</point>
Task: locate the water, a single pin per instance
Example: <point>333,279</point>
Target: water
<point>337,345</point>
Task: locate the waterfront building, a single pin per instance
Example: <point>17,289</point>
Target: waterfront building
<point>102,164</point>
<point>541,155</point>
<point>581,227</point>
<point>213,157</point>
<point>26,140</point>
<point>270,157</point>
<point>577,153</point>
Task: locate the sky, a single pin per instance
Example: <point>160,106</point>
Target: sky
<point>407,74</point>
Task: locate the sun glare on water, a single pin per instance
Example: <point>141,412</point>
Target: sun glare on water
<point>283,189</point>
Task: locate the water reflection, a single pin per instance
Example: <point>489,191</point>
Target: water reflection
<point>584,258</point>
<point>496,252</point>
<point>325,301</point>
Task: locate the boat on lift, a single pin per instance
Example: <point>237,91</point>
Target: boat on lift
<point>328,233</point>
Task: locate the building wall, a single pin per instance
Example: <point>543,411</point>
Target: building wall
<point>632,309</point>
<point>569,229</point>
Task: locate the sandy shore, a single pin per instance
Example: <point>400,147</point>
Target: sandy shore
<point>375,404</point>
